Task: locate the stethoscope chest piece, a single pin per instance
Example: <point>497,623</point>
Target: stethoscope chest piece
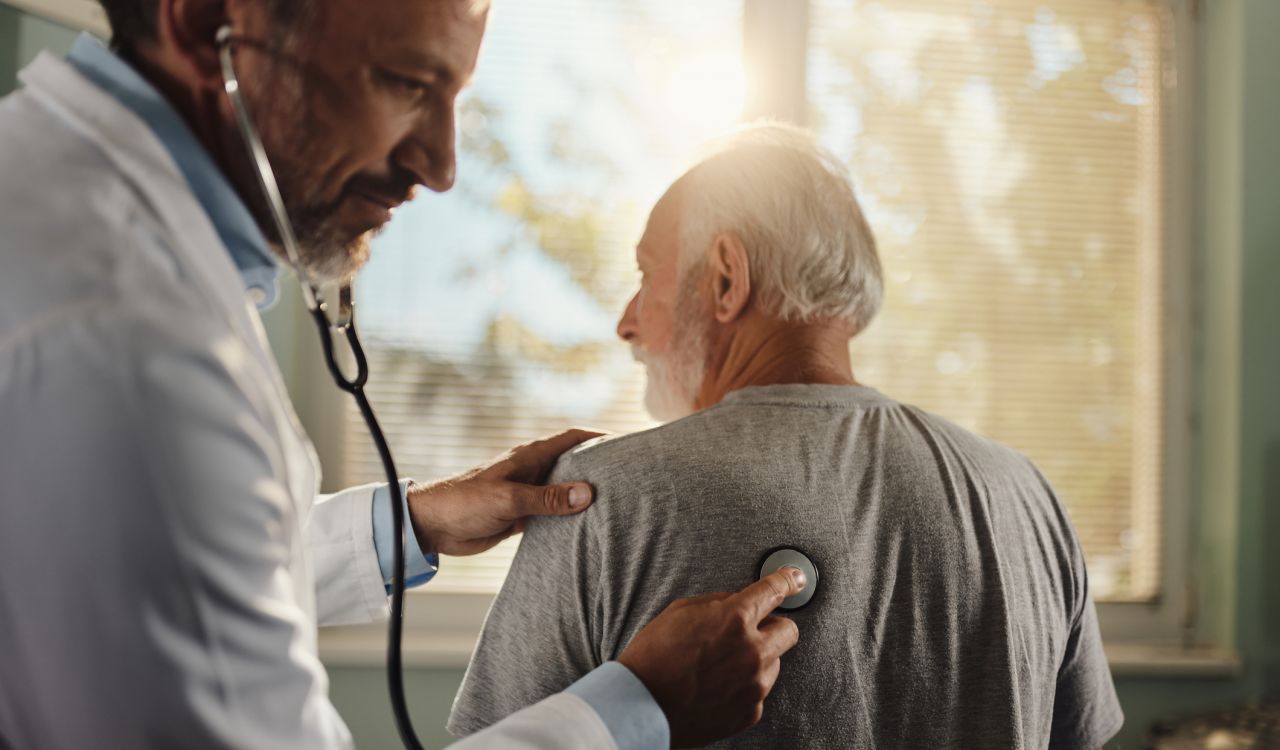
<point>781,557</point>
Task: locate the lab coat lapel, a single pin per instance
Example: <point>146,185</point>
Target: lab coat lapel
<point>142,158</point>
<point>129,143</point>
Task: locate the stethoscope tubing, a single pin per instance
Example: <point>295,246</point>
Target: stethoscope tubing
<point>354,385</point>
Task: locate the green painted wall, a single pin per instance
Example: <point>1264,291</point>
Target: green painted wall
<point>1237,203</point>
<point>1260,369</point>
<point>9,21</point>
<point>1260,364</point>
<point>360,693</point>
<point>22,37</point>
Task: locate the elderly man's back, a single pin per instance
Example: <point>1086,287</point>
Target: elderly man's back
<point>952,608</point>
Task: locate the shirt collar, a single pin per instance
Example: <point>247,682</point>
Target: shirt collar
<point>228,213</point>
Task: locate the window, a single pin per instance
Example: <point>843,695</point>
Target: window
<point>1009,158</point>
<point>1012,156</point>
<point>489,311</point>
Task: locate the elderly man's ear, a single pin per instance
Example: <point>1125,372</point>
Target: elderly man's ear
<point>731,277</point>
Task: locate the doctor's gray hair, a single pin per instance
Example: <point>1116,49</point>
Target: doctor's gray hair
<point>811,254</point>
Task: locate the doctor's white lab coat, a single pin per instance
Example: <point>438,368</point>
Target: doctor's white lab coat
<point>164,558</point>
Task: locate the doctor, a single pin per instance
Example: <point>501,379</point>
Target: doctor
<point>164,558</point>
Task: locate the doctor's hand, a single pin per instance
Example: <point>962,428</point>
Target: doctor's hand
<point>473,511</point>
<point>710,661</point>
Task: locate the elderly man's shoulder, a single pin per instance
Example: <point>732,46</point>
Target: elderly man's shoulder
<point>630,470</point>
<point>637,453</point>
<point>963,438</point>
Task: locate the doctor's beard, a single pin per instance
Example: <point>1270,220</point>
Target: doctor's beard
<point>292,138</point>
<point>673,379</point>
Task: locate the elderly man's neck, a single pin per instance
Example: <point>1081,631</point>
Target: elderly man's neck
<point>759,350</point>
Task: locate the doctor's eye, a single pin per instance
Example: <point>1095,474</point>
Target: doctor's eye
<point>403,85</point>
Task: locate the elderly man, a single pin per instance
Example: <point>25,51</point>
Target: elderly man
<point>164,557</point>
<point>953,606</point>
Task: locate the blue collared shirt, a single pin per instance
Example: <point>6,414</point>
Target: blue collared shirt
<point>239,233</point>
<point>618,696</point>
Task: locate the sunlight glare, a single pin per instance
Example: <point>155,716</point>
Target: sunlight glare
<point>700,96</point>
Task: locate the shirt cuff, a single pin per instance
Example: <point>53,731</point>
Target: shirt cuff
<point>418,568</point>
<point>625,706</point>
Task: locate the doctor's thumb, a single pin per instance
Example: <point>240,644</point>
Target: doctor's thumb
<point>553,499</point>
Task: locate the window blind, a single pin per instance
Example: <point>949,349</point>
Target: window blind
<point>489,311</point>
<point>1008,155</point>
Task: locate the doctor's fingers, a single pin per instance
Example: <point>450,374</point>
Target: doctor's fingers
<point>777,636</point>
<point>472,546</point>
<point>532,462</point>
<point>763,597</point>
<point>691,601</point>
<point>765,680</point>
<point>526,500</point>
<point>718,596</point>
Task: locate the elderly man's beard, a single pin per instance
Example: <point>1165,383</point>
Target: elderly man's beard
<point>674,378</point>
<point>290,136</point>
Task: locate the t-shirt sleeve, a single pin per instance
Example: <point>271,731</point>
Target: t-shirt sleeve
<point>1086,711</point>
<point>538,636</point>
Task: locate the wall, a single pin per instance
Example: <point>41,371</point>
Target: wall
<point>1260,364</point>
<point>360,693</point>
<point>22,37</point>
<point>9,21</point>
<point>1237,204</point>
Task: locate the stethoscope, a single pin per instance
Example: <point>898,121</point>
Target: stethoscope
<point>346,326</point>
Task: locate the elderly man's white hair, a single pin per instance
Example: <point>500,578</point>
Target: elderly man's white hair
<point>791,203</point>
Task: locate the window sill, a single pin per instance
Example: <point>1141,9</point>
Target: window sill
<point>441,629</point>
<point>440,632</point>
<point>1133,660</point>
<point>366,646</point>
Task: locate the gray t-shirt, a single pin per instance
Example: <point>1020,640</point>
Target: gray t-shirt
<point>953,607</point>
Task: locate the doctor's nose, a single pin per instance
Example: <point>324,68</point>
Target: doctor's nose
<point>429,152</point>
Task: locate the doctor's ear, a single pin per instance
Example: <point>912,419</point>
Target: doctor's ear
<point>189,28</point>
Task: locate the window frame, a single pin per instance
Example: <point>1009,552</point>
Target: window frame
<point>1168,635</point>
<point>1166,622</point>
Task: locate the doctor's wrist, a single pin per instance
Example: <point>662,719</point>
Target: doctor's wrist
<point>416,495</point>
